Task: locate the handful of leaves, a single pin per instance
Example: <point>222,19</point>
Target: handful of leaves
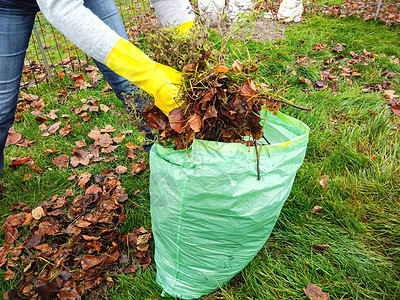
<point>218,104</point>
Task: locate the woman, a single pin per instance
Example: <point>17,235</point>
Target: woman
<point>95,27</point>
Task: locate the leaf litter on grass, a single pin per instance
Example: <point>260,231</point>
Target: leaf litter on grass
<point>389,11</point>
<point>73,247</point>
<point>339,67</point>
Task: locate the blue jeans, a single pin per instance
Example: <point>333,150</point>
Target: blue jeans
<point>16,24</point>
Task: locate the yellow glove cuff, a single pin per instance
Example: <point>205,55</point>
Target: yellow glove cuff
<point>160,81</point>
<point>184,27</point>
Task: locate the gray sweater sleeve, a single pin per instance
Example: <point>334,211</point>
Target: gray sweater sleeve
<point>93,36</point>
<point>80,26</point>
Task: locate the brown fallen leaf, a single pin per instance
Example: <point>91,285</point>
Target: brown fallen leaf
<point>137,168</point>
<point>314,292</point>
<point>84,161</point>
<point>81,143</point>
<point>104,140</point>
<point>93,108</point>
<point>4,251</point>
<point>25,143</point>
<point>121,170</point>
<point>177,120</point>
<point>85,117</point>
<point>337,48</point>
<point>389,74</point>
<point>34,240</point>
<point>82,223</point>
<point>305,80</point>
<point>318,46</point>
<point>43,127</point>
<point>34,167</point>
<point>27,176</point>
<point>141,160</point>
<point>322,182</point>
<point>48,228</point>
<point>237,65</point>
<point>68,293</point>
<point>83,179</point>
<point>109,149</point>
<point>321,248</point>
<point>195,122</point>
<point>52,129</point>
<point>390,94</point>
<point>61,161</point>
<point>106,89</point>
<point>9,275</point>
<point>13,138</point>
<point>69,193</point>
<point>104,108</point>
<point>396,108</point>
<point>317,208</point>
<point>131,146</point>
<point>37,113</point>
<point>56,212</point>
<point>11,233</point>
<point>52,150</point>
<point>52,114</point>
<point>38,213</point>
<point>93,189</point>
<point>221,69</point>
<point>132,268</point>
<point>94,133</point>
<point>67,129</point>
<point>119,138</point>
<point>130,153</point>
<point>72,177</point>
<point>16,161</point>
<point>89,238</point>
<point>89,261</point>
<point>320,84</point>
<point>107,129</point>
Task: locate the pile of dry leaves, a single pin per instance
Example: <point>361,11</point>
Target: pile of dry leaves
<point>217,103</point>
<point>73,247</point>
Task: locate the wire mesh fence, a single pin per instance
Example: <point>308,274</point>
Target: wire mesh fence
<point>50,53</point>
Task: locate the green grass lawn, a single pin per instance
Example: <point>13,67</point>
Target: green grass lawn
<point>354,141</point>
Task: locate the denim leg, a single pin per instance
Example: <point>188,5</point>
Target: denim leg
<point>15,29</point>
<point>107,11</point>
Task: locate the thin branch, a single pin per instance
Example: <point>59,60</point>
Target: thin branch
<point>266,140</point>
<point>287,103</point>
<point>187,149</point>
<point>258,161</point>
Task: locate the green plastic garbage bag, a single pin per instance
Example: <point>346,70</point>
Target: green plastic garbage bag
<point>210,214</point>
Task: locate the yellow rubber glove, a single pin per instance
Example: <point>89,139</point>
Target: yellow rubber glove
<point>160,81</point>
<point>184,27</point>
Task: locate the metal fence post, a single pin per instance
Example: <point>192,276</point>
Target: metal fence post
<point>46,63</point>
<point>377,11</point>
